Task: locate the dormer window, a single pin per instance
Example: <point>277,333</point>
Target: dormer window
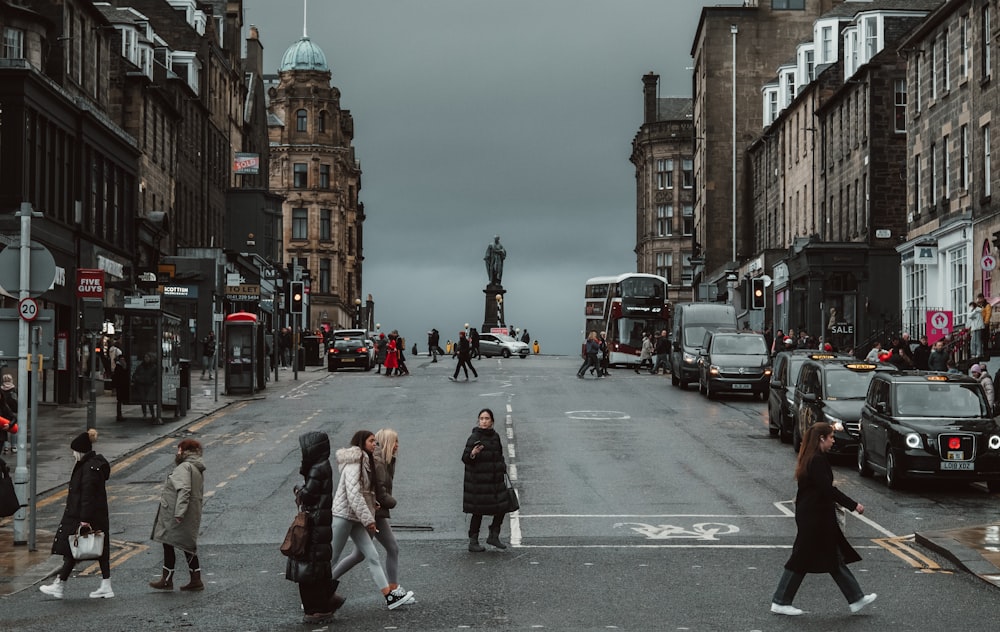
<point>187,66</point>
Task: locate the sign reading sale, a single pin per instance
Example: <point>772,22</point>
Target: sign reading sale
<point>89,283</point>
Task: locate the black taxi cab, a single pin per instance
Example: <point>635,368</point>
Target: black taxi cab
<point>784,376</point>
<point>917,424</point>
<point>833,390</point>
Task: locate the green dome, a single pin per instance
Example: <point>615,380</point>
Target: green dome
<point>303,55</point>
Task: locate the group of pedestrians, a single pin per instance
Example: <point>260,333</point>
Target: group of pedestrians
<point>390,354</point>
<point>176,526</point>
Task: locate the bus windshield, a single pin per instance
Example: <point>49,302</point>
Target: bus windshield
<point>642,287</point>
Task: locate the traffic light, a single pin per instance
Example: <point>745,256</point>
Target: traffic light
<point>757,293</point>
<point>298,290</point>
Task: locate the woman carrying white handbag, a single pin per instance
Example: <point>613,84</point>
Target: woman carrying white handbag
<point>86,506</point>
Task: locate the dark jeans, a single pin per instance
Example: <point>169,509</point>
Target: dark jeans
<point>462,364</point>
<point>315,596</point>
<point>170,558</point>
<point>104,561</point>
<point>477,522</point>
<point>790,581</point>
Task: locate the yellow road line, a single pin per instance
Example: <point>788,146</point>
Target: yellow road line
<point>898,546</point>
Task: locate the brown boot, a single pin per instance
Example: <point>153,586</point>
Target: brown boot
<point>166,582</point>
<point>195,583</point>
<point>336,601</point>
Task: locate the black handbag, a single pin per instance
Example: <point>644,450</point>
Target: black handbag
<point>512,502</point>
<point>9,503</point>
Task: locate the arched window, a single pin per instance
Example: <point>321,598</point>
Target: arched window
<point>322,121</point>
<point>301,123</point>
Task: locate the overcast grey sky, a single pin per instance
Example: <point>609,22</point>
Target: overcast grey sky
<point>475,118</point>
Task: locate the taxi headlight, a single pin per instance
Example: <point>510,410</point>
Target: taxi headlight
<point>767,372</point>
<point>689,359</point>
<point>913,440</point>
<point>713,369</point>
<point>994,442</point>
<point>838,424</point>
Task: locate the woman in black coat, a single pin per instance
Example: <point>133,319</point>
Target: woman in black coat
<point>312,571</point>
<point>485,490</point>
<point>86,506</point>
<point>820,545</point>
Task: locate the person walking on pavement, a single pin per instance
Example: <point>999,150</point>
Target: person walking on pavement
<point>662,351</point>
<point>979,372</point>
<point>391,359</point>
<point>646,353</point>
<point>434,345</point>
<point>178,518</point>
<point>8,410</point>
<point>119,382</point>
<point>474,342</point>
<point>820,545</point>
<point>315,496</point>
<point>354,506</point>
<point>143,389</point>
<point>938,359</point>
<point>592,348</point>
<point>208,356</point>
<point>485,486</point>
<point>604,356</point>
<point>464,358</point>
<point>383,348</point>
<point>87,507</point>
<point>400,353</point>
<point>384,457</point>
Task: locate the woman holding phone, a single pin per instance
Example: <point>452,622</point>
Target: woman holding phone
<point>485,491</point>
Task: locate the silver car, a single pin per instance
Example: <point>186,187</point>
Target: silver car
<point>502,345</point>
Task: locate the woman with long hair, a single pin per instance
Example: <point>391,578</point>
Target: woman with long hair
<point>485,488</point>
<point>820,545</point>
<point>354,507</point>
<point>384,457</point>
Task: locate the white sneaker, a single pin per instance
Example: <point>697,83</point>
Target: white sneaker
<point>791,611</point>
<point>397,598</point>
<point>104,592</point>
<point>55,589</point>
<point>861,603</point>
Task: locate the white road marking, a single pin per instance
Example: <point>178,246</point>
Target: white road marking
<point>598,415</point>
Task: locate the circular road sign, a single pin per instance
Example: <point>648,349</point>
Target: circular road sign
<point>28,309</point>
<point>988,262</point>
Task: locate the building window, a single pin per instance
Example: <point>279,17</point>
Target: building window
<point>900,104</point>
<point>935,183</point>
<point>810,65</point>
<point>688,176</point>
<point>964,173</point>
<point>300,223</point>
<point>301,121</point>
<point>917,185</point>
<point>916,84</point>
<point>322,121</point>
<point>871,37</point>
<point>664,220</point>
<point>934,71</point>
<point>324,176</point>
<point>987,179</point>
<point>687,270</point>
<point>664,265</point>
<point>771,106</point>
<point>300,175</point>
<point>324,276</point>
<point>664,174</point>
<point>916,295</point>
<point>13,43</point>
<point>984,43</point>
<point>788,5</point>
<point>826,38</point>
<point>946,164</point>
<point>688,213</point>
<point>325,224</point>
<point>958,269</point>
<point>964,61</point>
<point>945,60</point>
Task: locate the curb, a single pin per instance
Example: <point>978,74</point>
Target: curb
<point>966,557</point>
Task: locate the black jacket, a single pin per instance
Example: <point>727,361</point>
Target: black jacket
<point>86,501</point>
<point>819,543</point>
<point>316,497</point>
<point>485,491</point>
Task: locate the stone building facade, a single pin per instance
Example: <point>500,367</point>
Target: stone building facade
<point>313,165</point>
<point>662,152</point>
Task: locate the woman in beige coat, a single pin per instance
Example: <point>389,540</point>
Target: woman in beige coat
<point>178,518</point>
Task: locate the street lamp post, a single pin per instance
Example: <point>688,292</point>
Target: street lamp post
<point>357,313</point>
<point>734,30</point>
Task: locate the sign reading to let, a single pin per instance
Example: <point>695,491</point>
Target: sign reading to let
<point>244,292</point>
<point>89,283</point>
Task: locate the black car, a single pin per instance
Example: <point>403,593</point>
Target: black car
<point>734,362</point>
<point>350,352</point>
<point>918,424</point>
<point>833,390</point>
<point>784,376</point>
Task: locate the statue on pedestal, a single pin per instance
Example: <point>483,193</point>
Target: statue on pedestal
<point>495,254</point>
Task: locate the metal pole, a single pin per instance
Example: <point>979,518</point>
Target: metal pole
<point>92,402</point>
<point>734,30</point>
<point>21,468</point>
<point>33,481</point>
<point>295,346</point>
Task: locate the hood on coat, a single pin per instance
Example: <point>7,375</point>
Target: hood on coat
<point>348,456</point>
<point>98,463</point>
<point>194,459</point>
<point>315,448</point>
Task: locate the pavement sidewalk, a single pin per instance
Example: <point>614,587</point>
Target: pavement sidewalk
<point>58,425</point>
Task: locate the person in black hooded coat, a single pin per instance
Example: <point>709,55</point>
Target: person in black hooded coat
<point>86,506</point>
<point>485,490</point>
<point>312,571</point>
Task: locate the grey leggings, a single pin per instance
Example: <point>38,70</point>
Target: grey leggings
<point>386,538</point>
<point>342,528</point>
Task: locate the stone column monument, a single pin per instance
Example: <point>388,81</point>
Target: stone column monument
<point>494,311</point>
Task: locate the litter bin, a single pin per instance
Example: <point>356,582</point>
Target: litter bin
<point>184,390</point>
<point>312,345</point>
<point>300,359</point>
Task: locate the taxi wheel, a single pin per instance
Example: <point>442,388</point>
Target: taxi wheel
<point>864,468</point>
<point>893,477</point>
<point>506,353</point>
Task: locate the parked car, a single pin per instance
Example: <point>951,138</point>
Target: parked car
<point>502,345</point>
<point>784,376</point>
<point>349,352</point>
<point>916,424</point>
<point>833,390</point>
<point>734,362</point>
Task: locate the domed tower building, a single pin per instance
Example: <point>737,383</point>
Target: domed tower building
<point>312,164</point>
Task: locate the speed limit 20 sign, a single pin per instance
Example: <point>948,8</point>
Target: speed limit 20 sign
<point>27,308</point>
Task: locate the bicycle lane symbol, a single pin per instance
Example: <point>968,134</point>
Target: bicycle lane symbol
<point>705,531</point>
